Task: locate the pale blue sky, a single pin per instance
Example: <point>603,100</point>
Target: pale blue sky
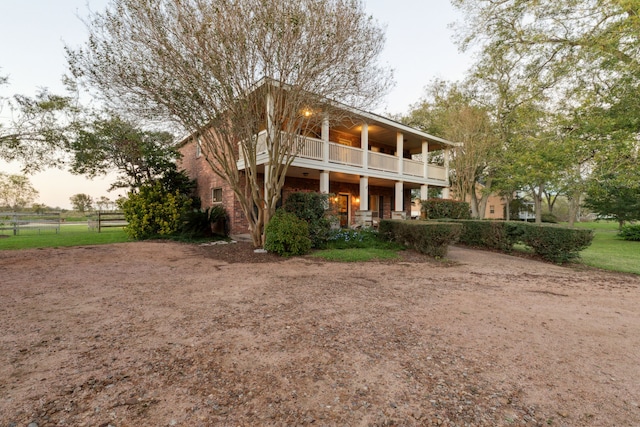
<point>33,33</point>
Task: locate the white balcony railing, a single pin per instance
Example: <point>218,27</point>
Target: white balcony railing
<point>383,162</point>
<point>309,148</point>
<point>345,155</point>
<point>313,149</point>
<point>413,167</point>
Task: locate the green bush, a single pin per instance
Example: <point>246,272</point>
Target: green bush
<point>430,238</point>
<point>287,235</point>
<point>345,238</point>
<point>553,243</point>
<point>445,208</point>
<point>549,217</point>
<point>199,223</point>
<point>497,235</point>
<point>630,232</point>
<point>153,211</point>
<point>556,244</point>
<point>311,207</point>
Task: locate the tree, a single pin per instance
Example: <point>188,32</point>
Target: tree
<point>104,203</point>
<point>40,128</point>
<point>115,144</point>
<point>16,191</point>
<point>221,62</point>
<point>81,202</point>
<point>613,198</point>
<point>450,112</point>
<point>583,55</point>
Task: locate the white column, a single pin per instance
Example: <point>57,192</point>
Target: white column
<point>447,156</point>
<point>271,130</point>
<point>324,182</point>
<point>364,144</point>
<point>364,193</point>
<point>424,192</point>
<point>425,158</point>
<point>399,196</point>
<point>399,151</point>
<point>324,135</point>
<point>267,171</point>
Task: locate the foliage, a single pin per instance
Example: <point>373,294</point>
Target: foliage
<point>556,244</point>
<point>499,235</point>
<point>154,211</point>
<point>311,207</point>
<point>114,144</point>
<point>630,232</point>
<point>199,223</point>
<point>16,191</point>
<point>444,208</point>
<point>346,238</point>
<point>549,218</point>
<point>41,127</point>
<point>236,67</point>
<point>430,238</point>
<point>448,110</point>
<point>611,197</point>
<point>81,202</point>
<point>287,235</point>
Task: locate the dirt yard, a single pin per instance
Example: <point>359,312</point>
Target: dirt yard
<point>167,334</point>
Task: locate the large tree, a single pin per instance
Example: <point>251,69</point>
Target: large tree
<point>198,63</point>
<point>448,110</point>
<point>81,202</point>
<point>584,57</point>
<point>108,144</point>
<point>16,191</point>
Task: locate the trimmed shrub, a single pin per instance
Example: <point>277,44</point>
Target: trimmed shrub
<point>549,217</point>
<point>287,235</point>
<point>497,235</point>
<point>445,208</point>
<point>430,238</point>
<point>630,232</point>
<point>311,207</point>
<point>556,244</point>
<point>154,211</point>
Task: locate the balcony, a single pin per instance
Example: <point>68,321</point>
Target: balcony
<point>313,154</point>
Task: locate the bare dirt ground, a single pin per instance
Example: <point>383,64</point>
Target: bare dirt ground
<point>168,334</point>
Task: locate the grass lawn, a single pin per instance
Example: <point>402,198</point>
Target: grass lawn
<point>355,254</point>
<point>608,251</point>
<point>69,235</point>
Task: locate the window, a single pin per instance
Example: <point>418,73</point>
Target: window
<point>198,148</point>
<point>216,195</point>
<point>492,209</point>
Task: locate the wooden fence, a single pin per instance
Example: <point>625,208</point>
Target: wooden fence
<point>102,220</point>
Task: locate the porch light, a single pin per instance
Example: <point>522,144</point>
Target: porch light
<point>357,200</point>
<point>307,113</point>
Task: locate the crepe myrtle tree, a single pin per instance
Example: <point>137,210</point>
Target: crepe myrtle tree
<point>224,70</point>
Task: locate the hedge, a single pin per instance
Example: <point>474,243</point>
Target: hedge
<point>552,243</point>
<point>444,208</point>
<point>430,238</point>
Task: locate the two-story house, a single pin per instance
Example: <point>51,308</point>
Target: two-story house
<point>368,163</point>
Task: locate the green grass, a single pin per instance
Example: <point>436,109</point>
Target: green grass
<point>69,235</point>
<point>355,254</point>
<point>608,251</point>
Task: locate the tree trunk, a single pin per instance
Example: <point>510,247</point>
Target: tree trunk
<point>574,203</point>
<point>537,201</point>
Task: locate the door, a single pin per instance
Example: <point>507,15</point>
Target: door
<point>343,210</point>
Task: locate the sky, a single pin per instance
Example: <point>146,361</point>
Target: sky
<point>33,34</point>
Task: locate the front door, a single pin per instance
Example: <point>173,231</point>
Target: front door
<point>343,210</point>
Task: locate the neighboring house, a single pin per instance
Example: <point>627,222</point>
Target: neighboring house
<point>368,163</point>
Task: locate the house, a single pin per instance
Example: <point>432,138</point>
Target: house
<point>368,163</point>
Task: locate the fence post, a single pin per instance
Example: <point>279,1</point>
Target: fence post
<point>99,220</point>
